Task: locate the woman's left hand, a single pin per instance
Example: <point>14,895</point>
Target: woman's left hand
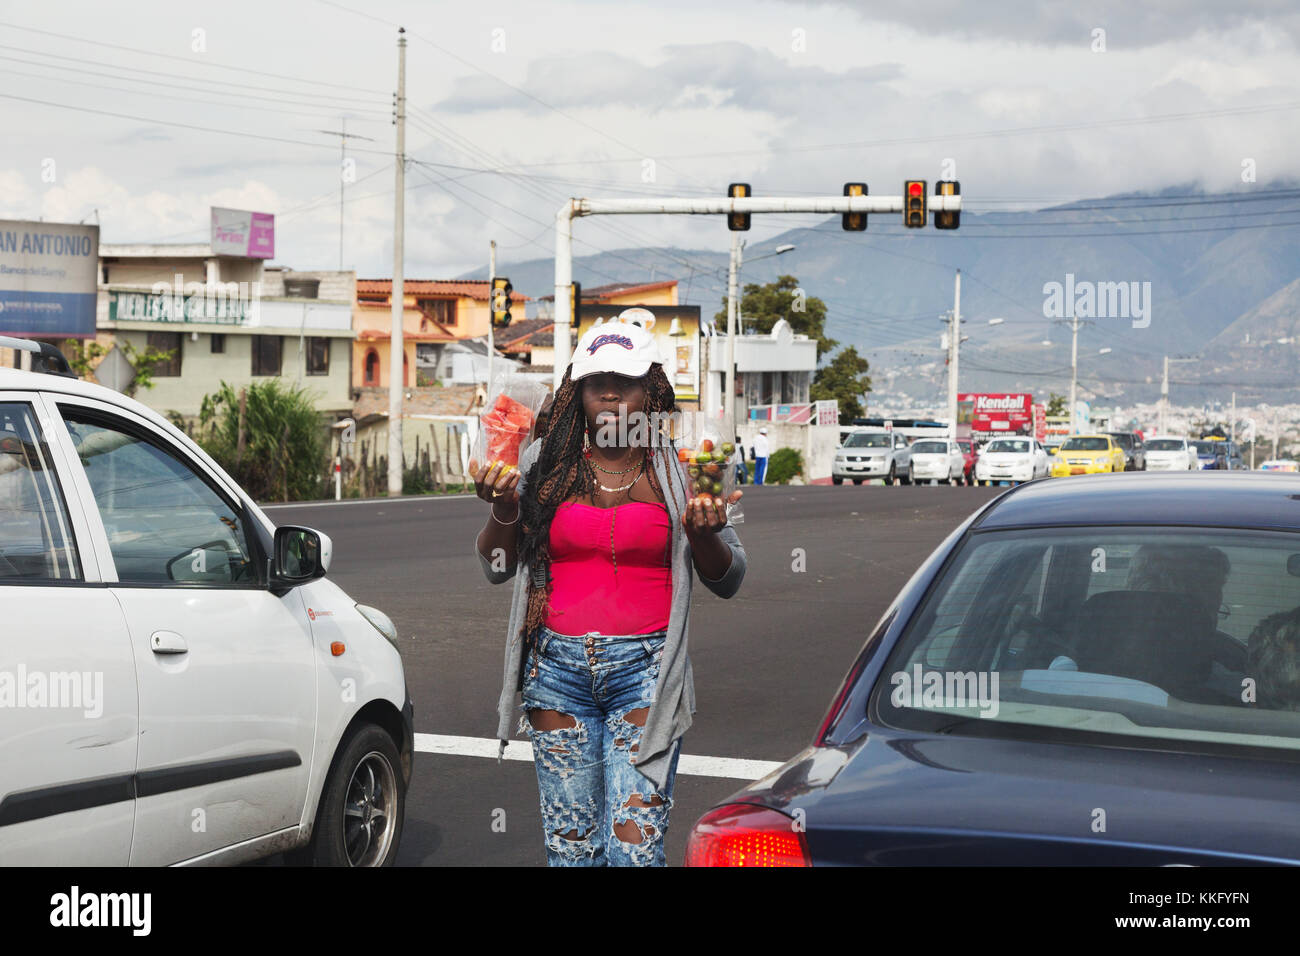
<point>705,516</point>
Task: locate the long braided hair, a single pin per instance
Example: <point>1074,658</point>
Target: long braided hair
<point>561,473</point>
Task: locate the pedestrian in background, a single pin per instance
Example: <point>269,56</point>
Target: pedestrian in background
<point>742,466</point>
<point>603,574</point>
<point>761,451</point>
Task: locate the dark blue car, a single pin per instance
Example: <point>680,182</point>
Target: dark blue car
<point>1100,670</point>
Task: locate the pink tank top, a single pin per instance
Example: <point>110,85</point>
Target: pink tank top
<point>623,590</point>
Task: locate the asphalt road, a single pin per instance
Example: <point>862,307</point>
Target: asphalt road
<point>766,662</point>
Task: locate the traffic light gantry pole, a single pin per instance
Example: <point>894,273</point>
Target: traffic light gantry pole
<point>737,208</point>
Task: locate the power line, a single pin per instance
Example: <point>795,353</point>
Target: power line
<point>169,56</point>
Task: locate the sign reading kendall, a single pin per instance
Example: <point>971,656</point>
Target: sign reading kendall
<point>48,273</point>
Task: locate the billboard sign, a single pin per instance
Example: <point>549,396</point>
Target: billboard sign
<point>48,276</point>
<point>1000,413</point>
<point>676,332</point>
<point>237,232</point>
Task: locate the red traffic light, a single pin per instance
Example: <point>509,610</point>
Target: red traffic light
<point>914,203</point>
<point>916,188</point>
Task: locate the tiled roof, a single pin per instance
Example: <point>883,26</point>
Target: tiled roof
<point>470,288</point>
<point>517,336</point>
<point>602,293</point>
<point>424,400</point>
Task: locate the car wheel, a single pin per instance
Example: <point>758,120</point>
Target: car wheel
<point>359,820</point>
<point>837,481</point>
<point>911,475</point>
<point>893,474</point>
<point>857,481</point>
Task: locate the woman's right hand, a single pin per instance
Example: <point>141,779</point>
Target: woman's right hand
<point>495,483</point>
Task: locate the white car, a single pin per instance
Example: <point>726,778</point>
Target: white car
<point>1011,459</point>
<point>936,459</point>
<point>870,454</point>
<point>178,682</point>
<point>1167,453</point>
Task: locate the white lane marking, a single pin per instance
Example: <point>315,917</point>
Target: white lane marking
<point>727,767</point>
<point>365,501</point>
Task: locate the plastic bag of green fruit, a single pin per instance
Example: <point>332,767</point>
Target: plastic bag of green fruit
<point>709,461</point>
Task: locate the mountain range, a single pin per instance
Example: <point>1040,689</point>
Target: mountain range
<point>1220,273</point>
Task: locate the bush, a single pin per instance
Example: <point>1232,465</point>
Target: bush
<point>285,453</point>
<point>784,464</point>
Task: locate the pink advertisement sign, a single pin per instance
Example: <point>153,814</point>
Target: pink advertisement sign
<point>238,232</point>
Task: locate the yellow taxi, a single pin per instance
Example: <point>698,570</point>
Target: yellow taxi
<point>1087,455</point>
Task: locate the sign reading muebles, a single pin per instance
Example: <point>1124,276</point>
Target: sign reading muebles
<point>48,274</point>
<point>212,306</point>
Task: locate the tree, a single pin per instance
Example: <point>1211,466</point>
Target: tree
<point>269,437</point>
<point>82,358</point>
<point>1056,405</point>
<point>844,379</point>
<point>763,306</point>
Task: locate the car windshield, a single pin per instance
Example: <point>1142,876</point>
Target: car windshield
<point>1163,633</point>
<point>930,448</point>
<point>1085,444</point>
<point>1207,447</point>
<point>864,440</point>
<point>1166,444</point>
<point>1014,445</point>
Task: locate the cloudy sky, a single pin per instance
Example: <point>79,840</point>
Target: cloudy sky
<point>148,113</point>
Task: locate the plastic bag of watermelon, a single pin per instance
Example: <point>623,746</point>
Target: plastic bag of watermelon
<point>508,419</point>
<point>708,460</point>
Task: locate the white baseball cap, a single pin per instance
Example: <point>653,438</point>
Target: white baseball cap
<point>762,431</point>
<point>618,347</point>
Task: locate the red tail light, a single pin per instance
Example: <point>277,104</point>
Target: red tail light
<point>746,835</point>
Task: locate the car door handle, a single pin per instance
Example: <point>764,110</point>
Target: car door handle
<point>167,642</point>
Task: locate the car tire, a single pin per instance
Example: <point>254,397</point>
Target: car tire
<point>911,476</point>
<point>857,481</point>
<point>837,481</point>
<point>366,769</point>
<point>893,474</point>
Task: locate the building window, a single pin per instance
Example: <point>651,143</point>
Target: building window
<point>318,356</point>
<point>166,342</point>
<point>266,354</point>
<point>372,368</point>
<point>440,310</point>
<point>218,343</point>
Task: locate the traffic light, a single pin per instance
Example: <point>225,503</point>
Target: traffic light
<point>575,303</point>
<point>501,289</point>
<point>914,203</point>
<point>947,220</point>
<point>854,221</point>
<point>738,221</point>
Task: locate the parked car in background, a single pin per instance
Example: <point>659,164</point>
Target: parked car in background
<point>1169,453</point>
<point>1134,450</point>
<point>1280,464</point>
<point>870,453</point>
<point>971,455</point>
<point>1011,459</point>
<point>1074,648</point>
<point>937,460</point>
<point>1087,455</point>
<point>207,670</point>
<point>1212,455</point>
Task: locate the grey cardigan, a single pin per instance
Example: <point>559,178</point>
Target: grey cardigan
<point>674,702</point>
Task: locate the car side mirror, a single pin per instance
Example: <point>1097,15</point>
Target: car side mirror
<point>301,555</point>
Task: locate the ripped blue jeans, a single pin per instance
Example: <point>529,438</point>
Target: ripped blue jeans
<point>597,808</point>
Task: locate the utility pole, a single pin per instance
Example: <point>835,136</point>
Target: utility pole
<point>397,349</point>
<point>1232,422</point>
<point>1164,396</point>
<point>342,134</point>
<point>733,307</point>
<point>1074,374</point>
<point>492,275</point>
<point>954,346</point>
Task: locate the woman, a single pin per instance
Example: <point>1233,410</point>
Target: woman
<point>598,522</point>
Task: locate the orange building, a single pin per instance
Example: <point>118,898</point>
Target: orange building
<point>435,312</point>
